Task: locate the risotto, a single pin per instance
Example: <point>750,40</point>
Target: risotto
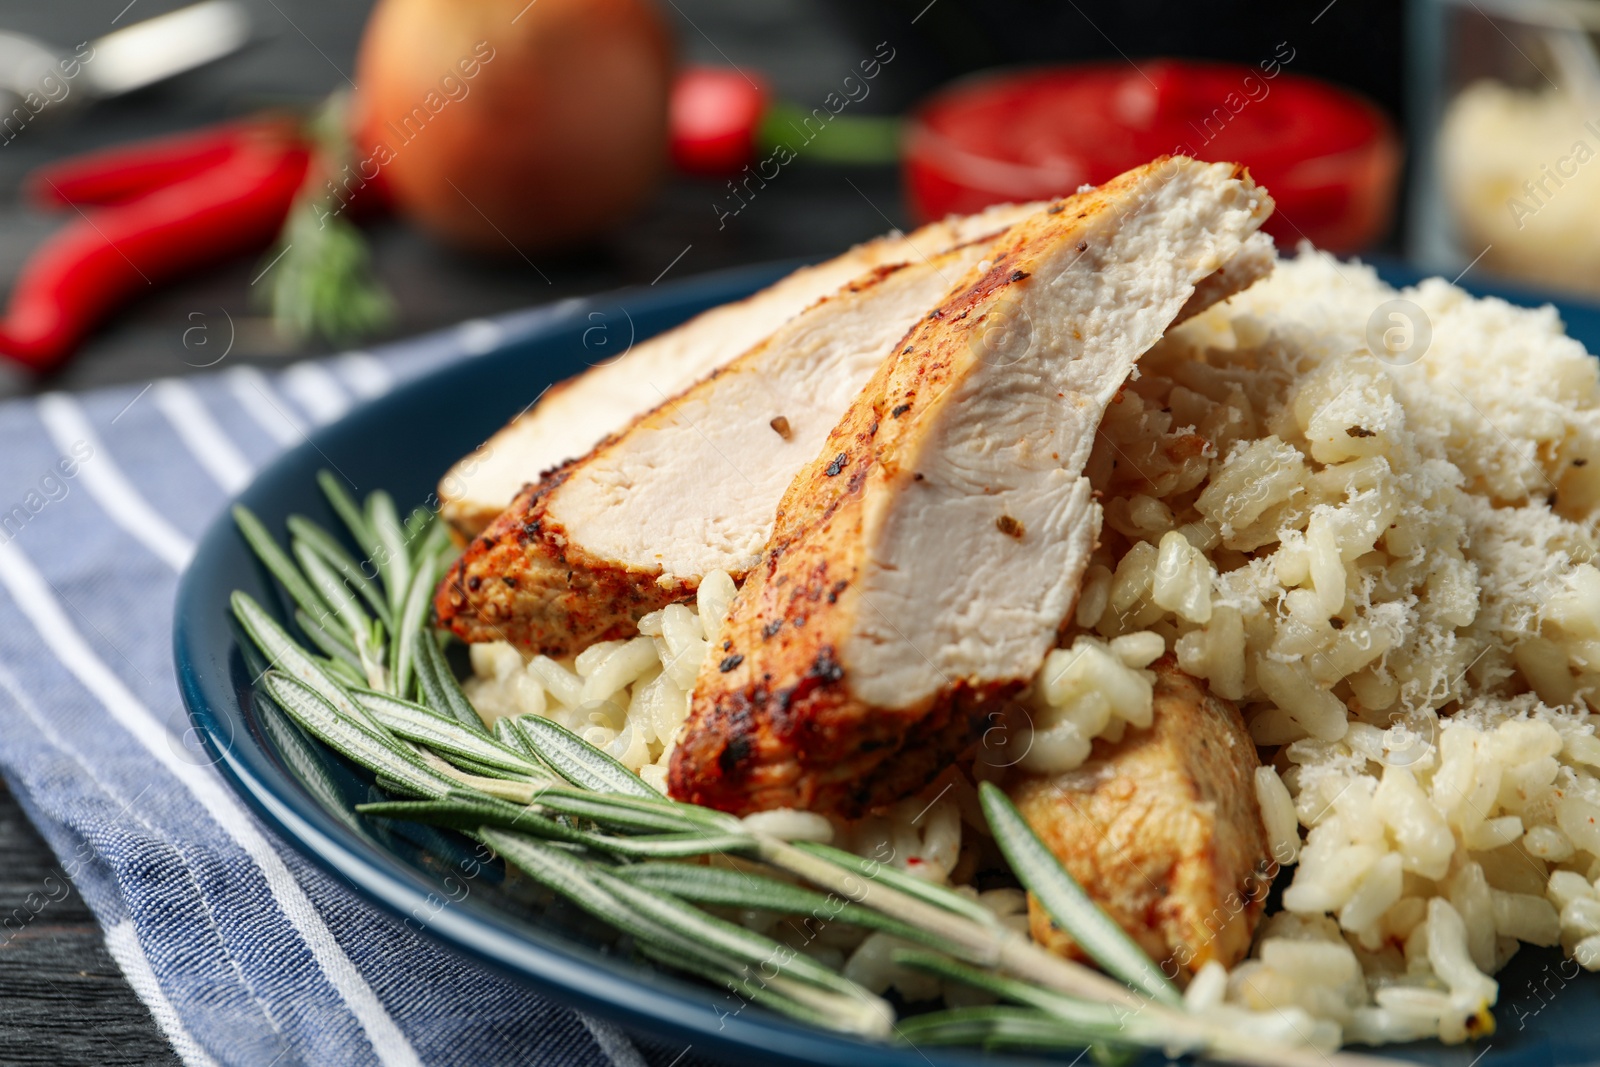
<point>1387,563</point>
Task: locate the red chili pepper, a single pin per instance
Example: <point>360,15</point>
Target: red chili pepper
<point>126,172</point>
<point>90,267</point>
<point>715,119</point>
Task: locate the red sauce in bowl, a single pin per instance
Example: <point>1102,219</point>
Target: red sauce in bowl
<point>1330,159</point>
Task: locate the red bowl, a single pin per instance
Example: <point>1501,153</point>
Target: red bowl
<point>1330,159</point>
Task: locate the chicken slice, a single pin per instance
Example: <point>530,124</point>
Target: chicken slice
<point>1254,261</point>
<point>573,415</point>
<point>921,567</point>
<point>1163,830</point>
<point>692,486</point>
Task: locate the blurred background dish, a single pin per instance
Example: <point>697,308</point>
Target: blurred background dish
<point>1331,159</point>
<point>745,133</point>
<point>1508,102</point>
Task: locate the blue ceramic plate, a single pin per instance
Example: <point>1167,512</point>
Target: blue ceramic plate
<point>402,442</point>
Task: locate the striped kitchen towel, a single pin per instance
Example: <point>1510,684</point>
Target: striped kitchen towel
<point>244,953</point>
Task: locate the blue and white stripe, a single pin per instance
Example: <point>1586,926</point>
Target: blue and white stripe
<point>243,952</point>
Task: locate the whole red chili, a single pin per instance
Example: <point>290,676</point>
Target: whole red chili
<point>90,267</point>
<point>125,172</point>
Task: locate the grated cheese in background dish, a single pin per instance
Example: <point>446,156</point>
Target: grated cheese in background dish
<point>1519,174</point>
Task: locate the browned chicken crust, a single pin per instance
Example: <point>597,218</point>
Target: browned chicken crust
<point>1163,830</point>
<point>523,580</point>
<point>774,722</point>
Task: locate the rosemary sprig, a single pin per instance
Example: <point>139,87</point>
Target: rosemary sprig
<point>574,819</point>
<point>898,880</point>
<point>414,610</point>
<point>470,813</point>
<point>354,519</point>
<point>323,283</point>
<point>985,943</point>
<point>344,672</point>
<point>279,564</point>
<point>746,888</point>
<point>1000,1027</point>
<point>331,587</point>
<point>775,993</point>
<point>316,539</point>
<point>445,736</point>
<point>359,627</point>
<point>348,737</point>
<point>390,552</point>
<point>466,815</point>
<point>578,761</point>
<point>707,944</point>
<point>285,655</point>
<point>504,732</point>
<point>1097,1021</point>
<point>441,692</point>
<point>335,643</point>
<point>636,813</point>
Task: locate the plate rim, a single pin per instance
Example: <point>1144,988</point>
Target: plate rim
<point>631,993</point>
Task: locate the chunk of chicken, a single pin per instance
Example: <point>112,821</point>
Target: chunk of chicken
<point>921,567</point>
<point>575,414</point>
<point>692,486</point>
<point>1163,830</point>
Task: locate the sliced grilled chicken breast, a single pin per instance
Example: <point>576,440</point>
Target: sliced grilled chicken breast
<point>1253,262</point>
<point>690,487</point>
<point>1163,830</point>
<point>694,485</point>
<point>572,416</point>
<point>921,567</point>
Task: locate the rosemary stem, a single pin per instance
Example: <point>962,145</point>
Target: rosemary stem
<point>1009,951</point>
<point>986,946</point>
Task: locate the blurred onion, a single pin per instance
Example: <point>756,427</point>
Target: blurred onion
<point>499,123</point>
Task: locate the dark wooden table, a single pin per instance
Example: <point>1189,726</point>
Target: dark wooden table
<point>62,998</point>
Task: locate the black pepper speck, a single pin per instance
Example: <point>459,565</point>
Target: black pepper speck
<point>825,668</point>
